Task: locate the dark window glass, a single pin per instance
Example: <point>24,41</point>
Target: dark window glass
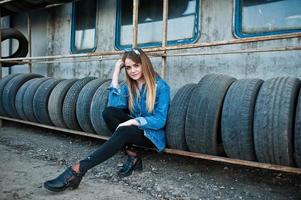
<point>182,22</point>
<point>83,26</point>
<point>268,16</point>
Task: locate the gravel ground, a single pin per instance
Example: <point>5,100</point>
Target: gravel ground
<point>31,155</point>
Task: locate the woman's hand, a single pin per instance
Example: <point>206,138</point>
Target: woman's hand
<point>119,64</point>
<point>129,123</point>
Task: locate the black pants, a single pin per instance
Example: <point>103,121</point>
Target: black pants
<point>123,136</point>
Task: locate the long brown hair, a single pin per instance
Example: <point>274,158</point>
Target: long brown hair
<point>149,74</point>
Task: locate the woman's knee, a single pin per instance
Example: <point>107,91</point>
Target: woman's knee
<point>124,132</point>
<point>128,132</point>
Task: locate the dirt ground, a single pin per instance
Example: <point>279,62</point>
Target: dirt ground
<point>31,155</point>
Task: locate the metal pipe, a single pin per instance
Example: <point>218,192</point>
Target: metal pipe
<point>168,48</point>
<point>165,19</point>
<point>236,52</point>
<point>167,55</point>
<point>0,53</point>
<point>135,22</point>
<point>229,42</point>
<point>173,151</point>
<point>29,40</point>
<point>176,54</point>
<point>164,37</point>
<point>66,56</point>
<point>10,44</point>
<point>1,122</point>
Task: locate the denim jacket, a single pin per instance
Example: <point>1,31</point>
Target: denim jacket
<point>152,123</point>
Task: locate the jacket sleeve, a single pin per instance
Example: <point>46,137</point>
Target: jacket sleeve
<point>157,119</point>
<point>118,97</point>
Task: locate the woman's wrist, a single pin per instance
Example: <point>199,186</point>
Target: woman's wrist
<point>135,122</point>
<point>115,77</point>
<point>117,69</point>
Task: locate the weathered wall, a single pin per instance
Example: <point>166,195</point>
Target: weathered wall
<point>39,39</point>
<point>52,29</point>
<point>216,25</point>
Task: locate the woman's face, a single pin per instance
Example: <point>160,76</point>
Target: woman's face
<point>134,70</point>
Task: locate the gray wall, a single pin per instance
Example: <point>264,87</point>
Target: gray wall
<point>51,30</point>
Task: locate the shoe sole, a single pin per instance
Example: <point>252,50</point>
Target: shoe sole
<point>58,189</point>
<point>53,189</point>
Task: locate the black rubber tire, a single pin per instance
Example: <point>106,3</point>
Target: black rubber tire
<point>202,125</point>
<point>10,91</point>
<point>274,120</point>
<point>3,82</point>
<point>56,100</point>
<point>20,98</point>
<point>297,139</point>
<point>238,117</point>
<point>40,101</point>
<point>36,2</point>
<point>83,104</point>
<point>11,33</point>
<point>5,12</point>
<point>28,98</point>
<point>59,1</point>
<point>69,105</point>
<point>175,126</point>
<point>98,104</point>
<point>17,6</point>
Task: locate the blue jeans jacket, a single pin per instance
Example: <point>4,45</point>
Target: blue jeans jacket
<point>152,123</point>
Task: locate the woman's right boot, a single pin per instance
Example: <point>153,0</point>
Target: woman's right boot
<point>68,179</point>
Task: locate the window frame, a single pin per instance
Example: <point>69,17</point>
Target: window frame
<point>73,49</point>
<point>196,30</point>
<point>238,23</point>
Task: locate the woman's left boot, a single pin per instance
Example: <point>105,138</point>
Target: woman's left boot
<point>132,163</point>
<point>68,179</point>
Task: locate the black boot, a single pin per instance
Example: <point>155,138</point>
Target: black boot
<point>69,178</point>
<point>132,163</point>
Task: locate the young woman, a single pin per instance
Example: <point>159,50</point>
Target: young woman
<point>136,114</point>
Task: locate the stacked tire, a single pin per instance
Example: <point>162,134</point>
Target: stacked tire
<point>12,33</point>
<point>69,103</point>
<point>248,119</point>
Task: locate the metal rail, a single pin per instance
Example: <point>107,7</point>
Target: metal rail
<point>164,55</point>
<point>252,164</point>
<point>1,122</point>
<point>162,49</point>
<point>29,39</point>
<point>164,38</point>
<point>0,52</point>
<point>135,23</point>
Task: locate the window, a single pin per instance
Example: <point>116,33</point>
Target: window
<point>267,17</point>
<point>83,31</point>
<point>183,22</point>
